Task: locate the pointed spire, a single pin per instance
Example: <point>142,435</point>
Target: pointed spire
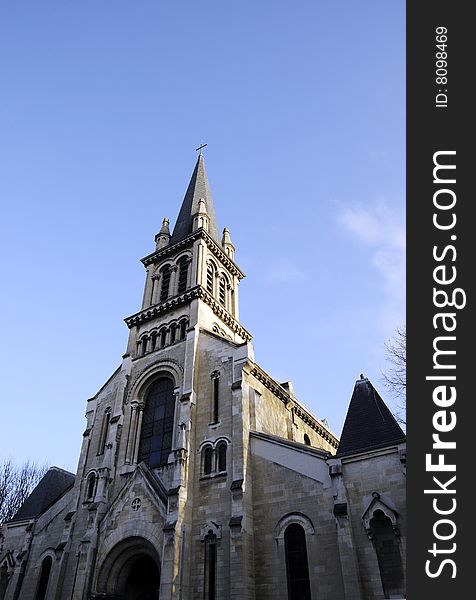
<point>162,239</point>
<point>369,424</point>
<point>198,189</point>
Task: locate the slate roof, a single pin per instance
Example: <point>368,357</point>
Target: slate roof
<point>369,424</point>
<point>53,484</point>
<point>197,188</point>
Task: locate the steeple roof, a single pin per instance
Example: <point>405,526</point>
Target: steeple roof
<point>369,424</point>
<point>198,188</point>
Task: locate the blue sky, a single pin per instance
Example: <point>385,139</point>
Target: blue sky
<point>101,107</point>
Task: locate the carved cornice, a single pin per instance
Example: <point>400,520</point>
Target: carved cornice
<point>197,292</point>
<point>159,309</point>
<point>299,410</point>
<point>159,255</point>
<point>314,424</point>
<point>223,314</point>
<point>224,258</point>
<point>274,387</point>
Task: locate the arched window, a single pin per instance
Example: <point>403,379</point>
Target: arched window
<point>207,460</point>
<point>222,291</point>
<point>307,440</point>
<point>104,431</point>
<point>153,341</point>
<point>163,337</point>
<point>221,457</point>
<point>90,487</point>
<point>164,288</point>
<point>210,277</point>
<point>173,331</point>
<point>157,423</point>
<point>183,329</point>
<point>44,578</point>
<point>145,345</point>
<point>297,568</point>
<point>183,275</point>
<point>210,565</point>
<point>215,396</point>
<point>388,555</point>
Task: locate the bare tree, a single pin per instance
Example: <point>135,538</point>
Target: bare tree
<point>395,376</point>
<point>16,484</point>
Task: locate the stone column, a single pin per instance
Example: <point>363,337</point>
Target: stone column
<point>132,433</point>
<point>140,413</point>
<point>173,281</point>
<point>155,289</point>
<point>147,289</point>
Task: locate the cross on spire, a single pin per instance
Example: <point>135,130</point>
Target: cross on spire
<point>200,148</point>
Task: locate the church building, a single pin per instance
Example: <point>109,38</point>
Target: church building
<point>200,476</point>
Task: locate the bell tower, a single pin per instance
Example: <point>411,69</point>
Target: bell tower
<point>191,278</point>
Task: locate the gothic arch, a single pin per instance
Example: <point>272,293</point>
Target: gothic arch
<point>385,504</point>
<point>168,263</point>
<point>47,552</point>
<point>184,254</point>
<point>215,528</point>
<point>214,442</point>
<point>145,378</point>
<point>119,561</point>
<point>210,276</point>
<point>213,263</point>
<point>91,481</point>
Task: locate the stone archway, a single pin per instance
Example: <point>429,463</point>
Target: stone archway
<point>131,571</point>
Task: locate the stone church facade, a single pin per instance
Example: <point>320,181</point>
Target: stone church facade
<point>200,476</point>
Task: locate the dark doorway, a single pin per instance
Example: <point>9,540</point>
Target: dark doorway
<point>143,580</point>
<point>388,555</point>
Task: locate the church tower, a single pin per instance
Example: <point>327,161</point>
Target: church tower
<point>166,431</point>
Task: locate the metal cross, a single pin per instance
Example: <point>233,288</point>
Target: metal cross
<point>200,148</point>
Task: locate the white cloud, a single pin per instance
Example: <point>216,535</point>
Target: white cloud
<point>377,225</point>
<point>380,228</point>
<point>283,270</point>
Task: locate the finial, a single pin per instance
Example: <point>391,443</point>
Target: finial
<point>228,244</point>
<point>165,226</point>
<point>362,376</point>
<point>226,236</point>
<point>163,237</point>
<point>202,206</point>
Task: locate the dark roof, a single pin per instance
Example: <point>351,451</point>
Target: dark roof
<point>369,424</point>
<point>197,188</point>
<point>53,484</point>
